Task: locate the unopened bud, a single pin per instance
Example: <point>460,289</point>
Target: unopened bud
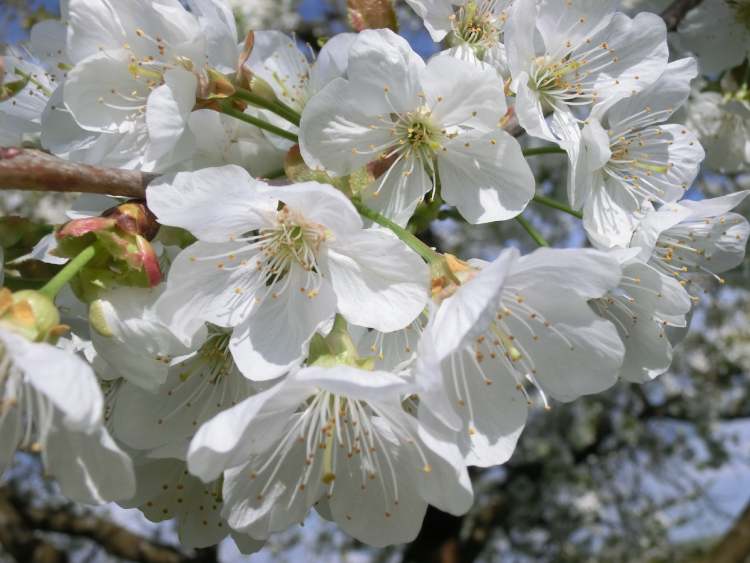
<point>262,88</point>
<point>448,275</point>
<point>127,258</point>
<point>30,314</point>
<point>135,218</point>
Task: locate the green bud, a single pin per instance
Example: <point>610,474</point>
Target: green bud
<point>98,319</point>
<point>30,314</point>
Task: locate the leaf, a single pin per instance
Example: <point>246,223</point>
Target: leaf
<point>372,14</point>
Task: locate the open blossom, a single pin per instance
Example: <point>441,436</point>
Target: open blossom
<point>566,55</point>
<point>277,60</point>
<point>414,121</point>
<point>338,436</point>
<point>50,403</point>
<point>473,28</point>
<point>642,308</point>
<point>626,155</point>
<point>276,274</point>
<point>136,71</point>
<point>166,490</point>
<point>200,384</point>
<point>718,32</point>
<point>695,241</point>
<point>297,357</point>
<point>515,322</point>
<point>723,126</point>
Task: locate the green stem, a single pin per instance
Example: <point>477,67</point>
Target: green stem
<point>543,150</point>
<point>61,279</point>
<point>277,107</point>
<point>228,109</point>
<point>533,233</point>
<point>554,204</point>
<point>412,241</point>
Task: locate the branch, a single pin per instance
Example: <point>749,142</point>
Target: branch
<point>734,547</point>
<point>19,541</point>
<point>28,169</point>
<point>114,539</point>
<point>677,11</point>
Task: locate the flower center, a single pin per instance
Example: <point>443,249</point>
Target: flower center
<point>213,361</point>
<point>202,385</point>
<point>570,77</point>
<point>477,24</point>
<point>292,240</point>
<point>332,429</point>
<point>418,135</point>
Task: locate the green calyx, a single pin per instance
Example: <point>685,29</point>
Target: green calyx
<point>337,349</point>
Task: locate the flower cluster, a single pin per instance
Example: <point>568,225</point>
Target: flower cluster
<point>264,334</point>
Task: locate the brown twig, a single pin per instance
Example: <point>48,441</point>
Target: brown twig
<point>734,547</point>
<point>114,539</point>
<point>677,11</point>
<point>28,169</point>
<point>17,537</point>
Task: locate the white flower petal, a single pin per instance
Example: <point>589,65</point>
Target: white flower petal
<point>379,282</point>
<point>486,177</point>
<point>167,111</point>
<point>215,204</point>
<point>276,333</point>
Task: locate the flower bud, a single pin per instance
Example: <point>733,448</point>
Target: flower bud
<point>31,314</point>
<point>135,218</point>
<point>262,88</point>
<point>448,275</point>
<point>123,233</point>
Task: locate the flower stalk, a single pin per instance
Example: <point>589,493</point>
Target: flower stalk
<point>554,204</point>
<point>412,241</point>
<point>63,277</point>
<point>277,107</point>
<point>533,233</point>
<point>228,108</point>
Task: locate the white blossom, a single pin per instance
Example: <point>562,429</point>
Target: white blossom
<point>695,241</point>
<point>276,275</point>
<point>338,436</point>
<point>570,54</point>
<point>718,33</point>
<point>723,126</point>
<point>50,403</point>
<point>136,71</point>
<point>473,28</point>
<point>515,322</point>
<point>625,154</point>
<point>416,121</point>
<point>643,308</point>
